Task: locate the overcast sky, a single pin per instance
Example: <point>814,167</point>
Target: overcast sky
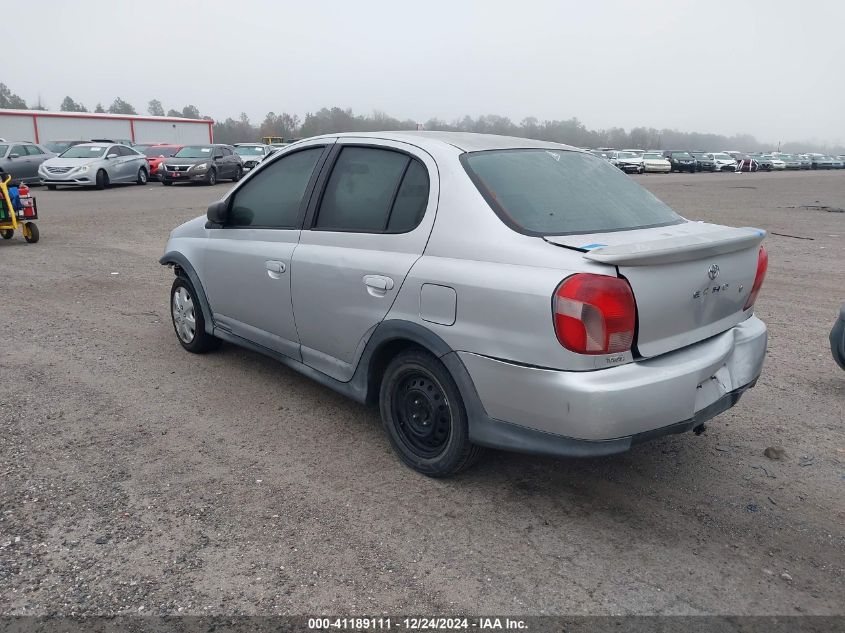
<point>775,69</point>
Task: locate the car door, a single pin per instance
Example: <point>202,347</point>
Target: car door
<point>245,268</point>
<point>21,163</point>
<point>219,163</point>
<point>131,163</point>
<point>38,156</point>
<point>363,233</point>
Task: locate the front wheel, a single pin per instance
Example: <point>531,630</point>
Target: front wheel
<point>51,187</point>
<point>211,179</point>
<point>7,234</point>
<point>142,176</point>
<point>30,232</point>
<point>167,183</point>
<point>239,172</point>
<point>424,415</point>
<point>102,180</point>
<point>188,322</point>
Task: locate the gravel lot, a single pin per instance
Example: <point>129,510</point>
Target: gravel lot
<point>135,477</point>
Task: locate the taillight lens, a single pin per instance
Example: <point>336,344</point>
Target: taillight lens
<point>594,314</point>
<point>762,266</point>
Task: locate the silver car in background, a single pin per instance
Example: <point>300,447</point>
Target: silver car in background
<point>483,291</point>
<point>95,164</point>
<point>252,153</point>
<point>21,161</point>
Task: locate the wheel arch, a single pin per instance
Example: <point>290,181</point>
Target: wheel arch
<point>182,268</point>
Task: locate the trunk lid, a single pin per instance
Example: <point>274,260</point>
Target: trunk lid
<point>690,280</point>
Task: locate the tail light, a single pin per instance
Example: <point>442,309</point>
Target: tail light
<point>762,266</point>
<point>594,314</point>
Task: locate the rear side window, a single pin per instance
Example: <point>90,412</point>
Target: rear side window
<point>373,190</point>
<point>272,197</point>
<point>34,150</point>
<point>560,192</point>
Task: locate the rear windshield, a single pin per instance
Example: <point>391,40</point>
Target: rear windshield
<point>160,150</point>
<point>559,192</point>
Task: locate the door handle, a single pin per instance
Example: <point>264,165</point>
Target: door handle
<point>378,285</point>
<point>275,268</point>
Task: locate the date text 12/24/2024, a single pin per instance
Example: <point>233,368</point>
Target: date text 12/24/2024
<point>415,624</point>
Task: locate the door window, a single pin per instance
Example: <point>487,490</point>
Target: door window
<point>34,150</point>
<point>20,150</point>
<point>218,153</point>
<point>367,186</point>
<point>272,197</point>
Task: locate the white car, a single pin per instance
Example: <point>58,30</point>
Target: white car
<point>95,164</point>
<point>777,163</point>
<point>655,162</point>
<point>722,161</point>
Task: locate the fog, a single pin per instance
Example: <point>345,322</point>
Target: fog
<point>772,69</point>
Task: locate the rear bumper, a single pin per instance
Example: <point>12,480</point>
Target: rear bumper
<point>606,411</point>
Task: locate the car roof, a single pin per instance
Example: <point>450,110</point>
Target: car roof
<point>464,141</point>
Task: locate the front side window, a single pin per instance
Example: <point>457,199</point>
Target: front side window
<point>272,197</point>
<point>373,190</point>
<point>560,192</point>
<point>20,150</point>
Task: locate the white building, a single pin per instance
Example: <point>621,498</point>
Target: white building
<point>41,127</point>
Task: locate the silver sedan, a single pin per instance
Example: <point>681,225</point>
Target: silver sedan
<point>483,291</point>
<point>95,164</point>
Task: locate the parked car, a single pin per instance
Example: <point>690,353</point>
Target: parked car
<point>638,152</point>
<point>97,164</point>
<point>722,161</point>
<point>680,161</point>
<point>21,160</point>
<point>737,156</point>
<point>252,153</point>
<point>592,317</point>
<point>655,162</point>
<point>156,154</point>
<point>746,164</point>
<point>629,162</point>
<point>600,154</point>
<point>704,161</point>
<point>791,161</point>
<point>806,161</point>
<point>764,162</point>
<point>57,147</point>
<point>776,163</point>
<point>205,164</point>
<point>837,339</point>
<point>837,163</point>
<point>821,161</point>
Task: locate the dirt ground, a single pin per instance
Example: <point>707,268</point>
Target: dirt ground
<point>138,478</point>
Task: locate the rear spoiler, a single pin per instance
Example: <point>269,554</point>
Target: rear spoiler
<point>678,248</point>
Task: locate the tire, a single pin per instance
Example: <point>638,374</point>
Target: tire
<point>7,234</point>
<point>51,187</point>
<point>31,234</point>
<point>167,183</point>
<point>424,416</point>
<point>211,179</point>
<point>188,322</point>
<point>239,173</point>
<point>102,180</point>
<point>142,177</point>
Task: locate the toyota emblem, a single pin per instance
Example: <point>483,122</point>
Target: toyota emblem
<point>714,271</point>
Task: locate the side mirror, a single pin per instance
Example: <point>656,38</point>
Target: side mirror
<point>112,156</point>
<point>218,212</point>
<point>14,155</point>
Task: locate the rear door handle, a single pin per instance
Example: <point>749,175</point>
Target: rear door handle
<point>378,285</point>
<point>275,268</point>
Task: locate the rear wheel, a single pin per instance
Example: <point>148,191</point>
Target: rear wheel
<point>102,180</point>
<point>424,415</point>
<point>167,183</point>
<point>188,322</point>
<point>51,187</point>
<point>7,234</point>
<point>30,232</point>
<point>142,176</point>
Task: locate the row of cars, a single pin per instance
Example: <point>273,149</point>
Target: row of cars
<point>665,161</point>
<point>103,162</point>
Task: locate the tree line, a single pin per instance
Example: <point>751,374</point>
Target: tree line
<point>330,120</point>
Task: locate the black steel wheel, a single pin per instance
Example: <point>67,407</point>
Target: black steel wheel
<point>424,415</point>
